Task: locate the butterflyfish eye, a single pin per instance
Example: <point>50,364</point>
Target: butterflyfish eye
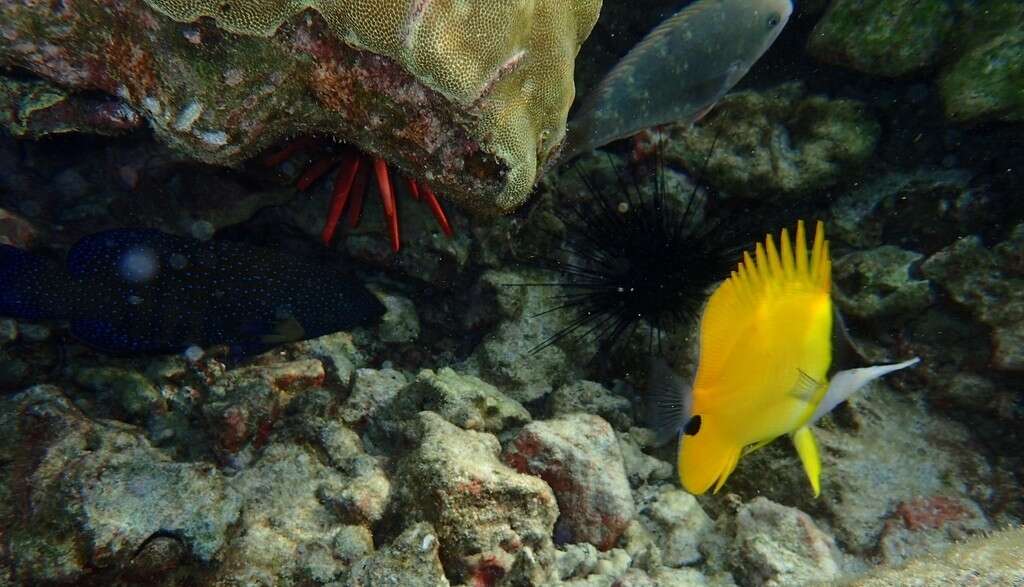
<point>692,427</point>
<point>774,20</point>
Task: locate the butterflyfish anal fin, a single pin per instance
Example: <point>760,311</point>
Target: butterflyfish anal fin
<point>807,449</point>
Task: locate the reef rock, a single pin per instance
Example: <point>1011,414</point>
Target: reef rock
<point>492,523</point>
<point>244,404</point>
<point>776,144</point>
<point>877,284</point>
<point>997,559</point>
<point>579,457</point>
<point>588,397</point>
<point>984,81</point>
<point>472,100</point>
<point>989,282</point>
<point>463,400</point>
<point>888,38</point>
<point>411,560</point>
<point>31,109</point>
<point>929,524</point>
<point>921,211</point>
<point>286,532</point>
<point>779,545</point>
<point>507,355</point>
<point>373,392</point>
<point>678,523</point>
<point>104,502</point>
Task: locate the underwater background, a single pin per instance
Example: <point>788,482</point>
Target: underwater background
<point>397,338</point>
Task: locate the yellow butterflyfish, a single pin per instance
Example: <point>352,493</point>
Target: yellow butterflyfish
<point>765,351</point>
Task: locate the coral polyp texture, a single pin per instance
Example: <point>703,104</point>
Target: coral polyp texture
<point>470,96</point>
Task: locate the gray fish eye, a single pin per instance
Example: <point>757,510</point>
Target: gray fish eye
<point>773,21</point>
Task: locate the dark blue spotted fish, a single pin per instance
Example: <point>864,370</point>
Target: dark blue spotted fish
<point>135,291</point>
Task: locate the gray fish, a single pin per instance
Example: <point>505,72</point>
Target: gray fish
<point>678,71</point>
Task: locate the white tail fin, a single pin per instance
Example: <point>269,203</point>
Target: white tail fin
<point>846,383</point>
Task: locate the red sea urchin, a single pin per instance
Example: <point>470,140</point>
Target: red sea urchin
<point>350,184</point>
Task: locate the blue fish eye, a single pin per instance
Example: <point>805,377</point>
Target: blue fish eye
<point>774,20</point>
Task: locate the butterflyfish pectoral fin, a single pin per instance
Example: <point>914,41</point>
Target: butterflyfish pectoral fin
<point>807,388</point>
<point>807,449</point>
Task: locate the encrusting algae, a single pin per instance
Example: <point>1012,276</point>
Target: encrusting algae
<point>511,61</point>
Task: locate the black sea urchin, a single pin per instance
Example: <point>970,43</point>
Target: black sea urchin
<point>635,255</point>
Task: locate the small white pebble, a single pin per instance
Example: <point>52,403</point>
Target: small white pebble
<point>193,36</point>
<point>427,543</point>
<point>233,77</point>
<point>152,105</point>
<point>216,138</point>
<point>188,116</point>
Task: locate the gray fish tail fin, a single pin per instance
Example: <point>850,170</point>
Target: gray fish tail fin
<point>669,402</point>
<point>31,288</point>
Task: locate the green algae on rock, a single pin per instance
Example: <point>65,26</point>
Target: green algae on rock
<point>479,130</point>
<point>987,80</point>
<point>512,61</point>
<point>890,38</point>
<point>34,109</point>
<point>779,144</point>
<point>877,284</point>
<point>986,281</point>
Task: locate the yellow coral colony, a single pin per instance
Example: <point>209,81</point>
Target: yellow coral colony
<point>510,59</point>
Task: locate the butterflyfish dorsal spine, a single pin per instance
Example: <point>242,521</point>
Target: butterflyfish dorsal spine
<point>788,270</point>
<point>774,263</point>
<point>768,271</point>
